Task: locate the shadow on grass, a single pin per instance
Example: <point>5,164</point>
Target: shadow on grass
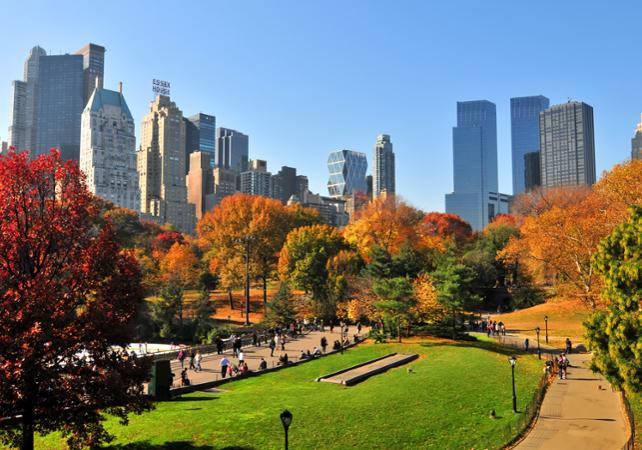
<point>192,399</point>
<point>177,445</point>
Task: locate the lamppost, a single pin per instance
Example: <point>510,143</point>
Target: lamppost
<point>512,362</point>
<point>546,322</point>
<point>539,352</point>
<point>341,324</point>
<point>286,420</point>
<point>246,240</point>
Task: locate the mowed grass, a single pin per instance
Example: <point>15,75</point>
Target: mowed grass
<point>565,319</point>
<point>444,403</point>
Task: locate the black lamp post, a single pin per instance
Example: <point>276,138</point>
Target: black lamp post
<point>286,420</point>
<point>512,362</point>
<point>341,335</point>
<point>546,322</point>
<point>246,241</point>
<point>539,352</point>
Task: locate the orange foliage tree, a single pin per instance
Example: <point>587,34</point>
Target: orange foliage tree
<point>180,265</point>
<point>428,308</point>
<point>387,222</point>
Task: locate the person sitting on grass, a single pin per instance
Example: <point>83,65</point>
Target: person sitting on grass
<point>184,379</point>
<point>303,355</point>
<point>336,346</point>
<point>316,352</point>
<point>244,368</point>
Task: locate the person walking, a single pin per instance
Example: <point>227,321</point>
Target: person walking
<point>223,364</point>
<point>283,342</point>
<point>198,357</point>
<point>324,343</point>
<point>255,339</point>
<point>526,345</point>
<point>181,357</point>
<point>331,327</point>
<point>219,345</point>
<point>272,346</point>
<point>192,356</point>
<point>569,346</point>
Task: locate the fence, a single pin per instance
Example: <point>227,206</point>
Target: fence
<point>630,443</point>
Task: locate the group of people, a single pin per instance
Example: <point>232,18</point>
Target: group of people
<point>494,328</point>
<point>195,359</point>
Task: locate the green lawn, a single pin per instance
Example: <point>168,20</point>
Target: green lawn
<point>443,404</point>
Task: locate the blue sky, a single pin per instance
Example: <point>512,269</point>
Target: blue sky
<point>303,78</point>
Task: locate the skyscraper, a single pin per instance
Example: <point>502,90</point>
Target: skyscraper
<point>284,184</point>
<point>200,136</point>
<point>347,173</point>
<point>46,106</point>
<point>257,180</point>
<point>383,173</point>
<point>200,182</point>
<point>636,142</point>
<point>233,150</point>
<point>567,146</point>
<point>93,63</point>
<point>474,162</point>
<point>161,166</point>
<point>524,121</point>
<point>108,148</point>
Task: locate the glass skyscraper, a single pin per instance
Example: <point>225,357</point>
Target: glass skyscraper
<point>200,136</point>
<point>524,123</point>
<point>383,177</point>
<point>474,162</point>
<point>233,150</point>
<point>567,145</point>
<point>347,173</point>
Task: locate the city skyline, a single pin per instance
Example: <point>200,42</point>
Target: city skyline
<point>287,115</point>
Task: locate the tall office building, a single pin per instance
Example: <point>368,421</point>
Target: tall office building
<point>524,127</point>
<point>474,162</point>
<point>93,63</point>
<point>161,166</point>
<point>200,183</point>
<point>257,180</point>
<point>108,148</point>
<point>302,186</point>
<point>532,173</point>
<point>200,136</point>
<point>232,150</point>
<point>636,142</point>
<point>347,173</point>
<point>46,106</point>
<point>284,184</point>
<point>383,173</point>
<point>567,146</point>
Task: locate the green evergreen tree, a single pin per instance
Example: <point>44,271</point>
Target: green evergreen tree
<point>615,334</point>
<point>395,299</point>
<point>282,309</point>
<point>167,312</point>
<point>203,309</point>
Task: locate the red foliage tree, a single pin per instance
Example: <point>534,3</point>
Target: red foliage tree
<point>164,241</point>
<point>67,295</point>
<point>446,225</point>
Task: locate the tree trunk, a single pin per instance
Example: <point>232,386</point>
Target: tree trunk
<point>454,324</point>
<point>398,330</point>
<point>264,293</point>
<point>229,293</point>
<point>27,427</point>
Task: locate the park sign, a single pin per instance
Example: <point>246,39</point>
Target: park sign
<point>160,87</point>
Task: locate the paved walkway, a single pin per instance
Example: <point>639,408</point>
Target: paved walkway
<point>581,412</point>
<point>293,347</point>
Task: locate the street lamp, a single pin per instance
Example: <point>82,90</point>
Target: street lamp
<point>246,240</point>
<point>539,352</point>
<point>286,420</point>
<point>512,362</point>
<point>546,322</point>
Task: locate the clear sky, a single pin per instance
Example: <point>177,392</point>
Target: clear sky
<point>303,77</point>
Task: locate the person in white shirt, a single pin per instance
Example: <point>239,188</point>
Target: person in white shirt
<point>223,363</point>
<point>241,357</point>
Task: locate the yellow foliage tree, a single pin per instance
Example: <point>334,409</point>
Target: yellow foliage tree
<point>428,308</point>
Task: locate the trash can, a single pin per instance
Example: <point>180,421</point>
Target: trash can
<point>161,381</point>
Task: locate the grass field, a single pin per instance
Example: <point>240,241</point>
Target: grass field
<point>565,319</point>
<point>444,403</point>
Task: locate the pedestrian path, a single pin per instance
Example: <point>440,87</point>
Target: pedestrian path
<point>581,412</point>
<point>210,363</point>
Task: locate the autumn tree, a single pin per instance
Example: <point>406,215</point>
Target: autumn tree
<point>615,334</point>
<point>282,309</point>
<point>387,222</point>
<point>304,261</point>
<point>180,266</point>
<point>427,309</point>
<point>68,296</point>
<point>203,308</point>
<point>247,225</point>
<point>436,226</point>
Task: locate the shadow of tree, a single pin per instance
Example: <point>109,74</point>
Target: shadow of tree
<point>146,445</point>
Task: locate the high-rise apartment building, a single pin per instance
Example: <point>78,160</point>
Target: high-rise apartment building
<point>474,162</point>
<point>224,183</point>
<point>257,180</point>
<point>161,166</point>
<point>347,173</point>
<point>524,122</point>
<point>383,173</point>
<point>200,136</point>
<point>93,63</point>
<point>46,105</point>
<point>532,173</point>
<point>232,150</point>
<point>636,142</point>
<point>567,146</point>
<point>200,183</point>
<point>302,186</point>
<point>108,148</point>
